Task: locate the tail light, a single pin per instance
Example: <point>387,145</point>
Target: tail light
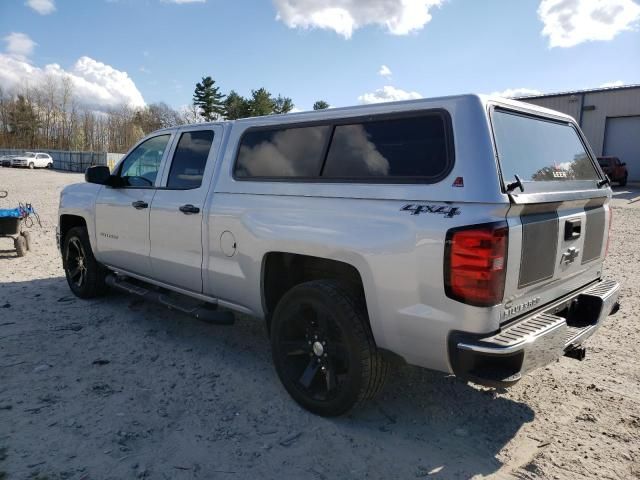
<point>476,263</point>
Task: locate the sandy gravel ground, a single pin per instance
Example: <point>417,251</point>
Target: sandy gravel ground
<point>118,389</point>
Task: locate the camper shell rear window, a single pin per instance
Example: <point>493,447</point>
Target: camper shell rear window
<point>414,147</point>
<point>546,154</point>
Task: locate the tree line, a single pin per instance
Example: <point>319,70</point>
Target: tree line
<point>212,105</point>
<point>49,117</point>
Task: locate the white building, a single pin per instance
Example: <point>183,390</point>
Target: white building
<point>609,117</point>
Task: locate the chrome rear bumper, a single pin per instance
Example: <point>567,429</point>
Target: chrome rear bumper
<point>534,341</point>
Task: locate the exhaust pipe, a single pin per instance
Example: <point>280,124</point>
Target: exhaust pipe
<point>578,353</point>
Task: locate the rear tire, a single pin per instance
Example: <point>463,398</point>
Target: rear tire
<point>323,348</point>
<point>623,182</point>
<point>85,276</point>
<point>20,245</point>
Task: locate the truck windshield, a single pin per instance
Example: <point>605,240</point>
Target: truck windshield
<point>547,152</point>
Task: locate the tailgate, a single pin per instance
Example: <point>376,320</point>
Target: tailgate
<point>554,249</point>
<point>560,214</point>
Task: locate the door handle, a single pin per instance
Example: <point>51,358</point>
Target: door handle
<point>139,205</point>
<point>189,209</point>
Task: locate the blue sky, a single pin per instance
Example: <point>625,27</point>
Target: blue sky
<point>319,49</point>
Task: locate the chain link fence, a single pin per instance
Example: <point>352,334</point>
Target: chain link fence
<point>72,161</point>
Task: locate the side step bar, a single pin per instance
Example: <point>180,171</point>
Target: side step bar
<point>206,312</point>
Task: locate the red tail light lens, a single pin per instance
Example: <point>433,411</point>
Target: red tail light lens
<point>476,263</point>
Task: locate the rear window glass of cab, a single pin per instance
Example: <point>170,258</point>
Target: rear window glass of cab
<point>414,147</point>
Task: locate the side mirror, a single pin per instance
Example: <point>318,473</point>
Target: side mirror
<point>623,164</point>
<point>98,174</point>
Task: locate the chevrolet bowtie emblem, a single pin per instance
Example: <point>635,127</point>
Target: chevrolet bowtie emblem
<point>570,255</point>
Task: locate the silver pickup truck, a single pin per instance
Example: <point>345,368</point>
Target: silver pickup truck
<point>463,234</point>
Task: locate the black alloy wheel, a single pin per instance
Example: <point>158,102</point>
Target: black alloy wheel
<point>85,276</point>
<point>323,348</point>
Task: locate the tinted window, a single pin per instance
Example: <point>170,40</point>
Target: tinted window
<point>291,152</point>
<point>603,162</point>
<point>540,150</point>
<point>406,147</point>
<point>190,159</point>
<point>141,166</point>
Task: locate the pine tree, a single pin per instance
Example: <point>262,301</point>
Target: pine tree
<point>282,104</point>
<point>261,102</point>
<point>236,106</point>
<point>320,105</point>
<point>23,122</point>
<point>209,99</point>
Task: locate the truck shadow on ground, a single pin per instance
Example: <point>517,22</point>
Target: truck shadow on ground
<point>207,397</point>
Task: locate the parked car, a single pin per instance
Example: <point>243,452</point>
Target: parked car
<point>33,160</point>
<point>615,169</point>
<point>436,232</point>
<point>5,160</point>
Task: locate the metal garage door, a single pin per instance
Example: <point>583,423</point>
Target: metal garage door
<point>622,139</point>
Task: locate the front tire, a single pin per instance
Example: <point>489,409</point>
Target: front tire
<point>623,182</point>
<point>85,276</point>
<point>323,348</point>
<point>32,166</point>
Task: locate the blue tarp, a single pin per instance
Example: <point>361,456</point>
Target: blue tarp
<point>20,212</point>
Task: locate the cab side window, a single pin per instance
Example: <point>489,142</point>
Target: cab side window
<point>140,168</point>
<point>190,160</point>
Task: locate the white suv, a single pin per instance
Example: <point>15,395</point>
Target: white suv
<point>33,160</point>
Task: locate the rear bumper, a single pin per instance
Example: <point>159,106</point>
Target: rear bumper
<point>501,359</point>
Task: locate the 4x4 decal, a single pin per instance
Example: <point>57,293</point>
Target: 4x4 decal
<point>416,209</point>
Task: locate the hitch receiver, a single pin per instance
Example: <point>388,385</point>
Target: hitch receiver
<point>577,353</point>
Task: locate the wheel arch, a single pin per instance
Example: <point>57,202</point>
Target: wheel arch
<point>69,221</point>
<point>283,270</point>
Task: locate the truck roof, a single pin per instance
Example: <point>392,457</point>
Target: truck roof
<point>381,108</point>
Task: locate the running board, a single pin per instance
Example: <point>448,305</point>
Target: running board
<point>206,312</point>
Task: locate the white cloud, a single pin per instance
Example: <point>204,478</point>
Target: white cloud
<point>399,17</point>
<point>570,22</point>
<point>181,2</point>
<point>43,7</point>
<point>19,44</point>
<point>384,71</point>
<point>516,92</point>
<point>95,85</point>
<point>615,83</point>
<point>388,94</point>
